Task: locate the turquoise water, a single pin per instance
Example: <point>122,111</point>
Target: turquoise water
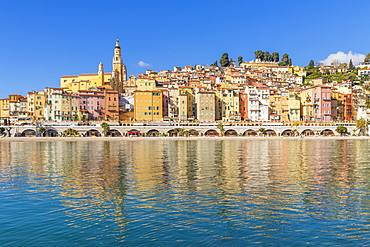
<point>185,193</point>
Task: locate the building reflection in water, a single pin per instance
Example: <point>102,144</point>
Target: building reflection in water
<point>101,179</point>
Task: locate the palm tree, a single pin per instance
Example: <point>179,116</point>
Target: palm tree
<point>294,132</point>
<point>220,126</point>
<point>186,133</point>
<point>70,132</point>
<point>42,131</point>
<point>106,128</point>
<point>8,131</point>
<point>361,125</point>
<point>261,130</point>
<point>179,131</point>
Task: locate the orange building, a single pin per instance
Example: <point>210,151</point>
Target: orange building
<point>148,105</point>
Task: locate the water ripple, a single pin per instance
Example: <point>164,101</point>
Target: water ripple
<point>211,193</point>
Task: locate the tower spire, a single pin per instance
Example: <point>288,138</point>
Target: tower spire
<point>101,68</point>
<point>119,75</point>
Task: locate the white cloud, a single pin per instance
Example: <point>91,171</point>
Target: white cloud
<point>341,57</point>
<point>145,65</point>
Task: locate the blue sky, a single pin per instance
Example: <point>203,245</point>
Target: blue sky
<point>40,40</point>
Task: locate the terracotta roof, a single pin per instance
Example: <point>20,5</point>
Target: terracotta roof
<point>206,92</point>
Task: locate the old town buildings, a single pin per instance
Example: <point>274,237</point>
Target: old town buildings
<point>252,91</point>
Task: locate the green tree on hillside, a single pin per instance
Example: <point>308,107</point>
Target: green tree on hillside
<point>312,71</point>
<point>259,55</point>
<point>350,66</point>
<point>267,57</point>
<point>275,57</point>
<point>286,61</point>
<point>240,60</point>
<point>215,64</point>
<point>311,65</point>
<point>367,58</point>
<point>224,61</point>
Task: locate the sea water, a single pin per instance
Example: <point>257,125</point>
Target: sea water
<point>284,192</point>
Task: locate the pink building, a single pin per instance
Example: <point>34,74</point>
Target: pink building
<point>321,103</point>
<point>91,104</point>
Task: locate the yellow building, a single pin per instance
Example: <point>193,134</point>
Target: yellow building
<point>298,70</point>
<point>115,80</point>
<point>74,83</point>
<point>35,105</point>
<point>186,104</point>
<point>294,105</point>
<point>307,104</point>
<point>275,104</point>
<point>148,105</point>
<point>227,104</point>
<point>4,108</point>
<point>285,106</point>
<point>144,83</point>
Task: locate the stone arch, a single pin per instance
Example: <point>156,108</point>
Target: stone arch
<point>172,132</point>
<point>308,132</point>
<point>327,132</point>
<point>114,133</point>
<point>269,132</point>
<point>288,132</point>
<point>250,132</point>
<point>211,132</point>
<point>28,133</point>
<point>133,132</point>
<point>51,132</point>
<point>152,132</point>
<point>194,132</point>
<point>92,133</point>
<point>231,132</point>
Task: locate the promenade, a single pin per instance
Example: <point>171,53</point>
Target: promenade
<point>181,129</point>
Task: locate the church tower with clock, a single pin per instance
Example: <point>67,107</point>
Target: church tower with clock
<point>119,73</point>
<point>115,80</point>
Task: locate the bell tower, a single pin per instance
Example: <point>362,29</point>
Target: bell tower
<point>118,63</point>
<point>101,74</point>
<point>119,74</point>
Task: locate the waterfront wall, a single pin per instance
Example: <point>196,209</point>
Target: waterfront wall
<point>280,130</point>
